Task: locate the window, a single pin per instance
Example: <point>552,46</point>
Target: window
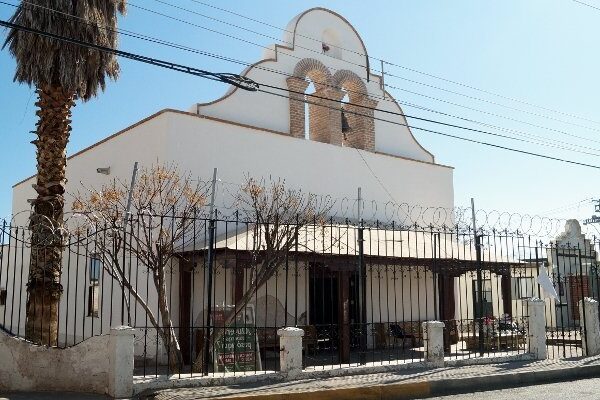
<point>95,267</point>
<point>93,304</point>
<point>522,287</point>
<point>93,289</point>
<point>3,293</point>
<point>486,299</point>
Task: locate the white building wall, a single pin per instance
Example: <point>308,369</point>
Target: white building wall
<point>312,166</point>
<point>406,295</point>
<point>240,147</point>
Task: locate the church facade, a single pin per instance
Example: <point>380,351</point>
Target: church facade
<point>349,133</point>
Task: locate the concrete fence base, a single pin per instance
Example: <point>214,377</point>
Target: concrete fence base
<point>590,326</point>
<point>104,364</point>
<point>89,367</point>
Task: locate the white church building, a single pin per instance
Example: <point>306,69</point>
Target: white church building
<point>261,135</point>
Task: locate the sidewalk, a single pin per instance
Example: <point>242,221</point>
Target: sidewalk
<point>407,384</point>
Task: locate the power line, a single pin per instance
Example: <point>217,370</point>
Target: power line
<point>182,47</point>
<point>514,131</point>
<point>495,115</point>
<point>493,103</point>
<point>262,22</point>
<point>567,207</point>
<point>254,86</point>
<point>448,135</point>
<point>247,30</point>
<point>364,66</point>
<point>414,117</point>
<point>170,44</point>
<point>233,79</point>
<point>160,41</point>
<point>586,4</point>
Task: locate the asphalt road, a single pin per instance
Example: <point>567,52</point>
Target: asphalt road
<point>585,389</point>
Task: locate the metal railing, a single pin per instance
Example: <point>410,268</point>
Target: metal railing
<point>360,291</point>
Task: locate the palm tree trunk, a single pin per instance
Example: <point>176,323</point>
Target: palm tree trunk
<point>46,221</point>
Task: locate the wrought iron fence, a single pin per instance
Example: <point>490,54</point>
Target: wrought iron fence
<point>211,298</point>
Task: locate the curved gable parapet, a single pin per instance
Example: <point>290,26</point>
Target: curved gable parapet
<point>322,47</point>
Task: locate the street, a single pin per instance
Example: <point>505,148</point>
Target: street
<point>586,389</point>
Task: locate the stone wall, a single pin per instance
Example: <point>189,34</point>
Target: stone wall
<point>82,368</point>
<point>101,364</point>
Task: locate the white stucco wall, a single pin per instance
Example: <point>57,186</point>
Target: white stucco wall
<point>312,166</point>
<point>25,367</point>
<point>199,144</point>
<point>403,296</point>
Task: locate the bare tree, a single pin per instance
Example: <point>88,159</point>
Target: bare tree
<point>164,211</point>
<point>280,216</point>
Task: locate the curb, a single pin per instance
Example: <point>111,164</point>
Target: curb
<point>424,389</point>
<point>512,380</point>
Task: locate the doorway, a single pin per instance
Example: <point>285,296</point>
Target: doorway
<point>324,302</point>
<point>334,308</point>
<point>485,308</point>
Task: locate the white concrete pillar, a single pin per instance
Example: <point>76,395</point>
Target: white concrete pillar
<point>433,335</point>
<point>590,324</point>
<point>290,354</point>
<point>120,354</point>
<point>536,333</point>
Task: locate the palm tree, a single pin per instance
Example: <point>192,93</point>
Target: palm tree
<point>61,73</point>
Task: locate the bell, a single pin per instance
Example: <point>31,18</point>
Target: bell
<point>345,126</point>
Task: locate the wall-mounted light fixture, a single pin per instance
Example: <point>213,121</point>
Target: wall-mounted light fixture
<point>104,171</point>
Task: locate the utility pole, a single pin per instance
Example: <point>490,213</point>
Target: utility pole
<point>361,282</point>
<point>382,80</point>
<point>479,279</point>
<point>209,267</point>
<point>125,217</point>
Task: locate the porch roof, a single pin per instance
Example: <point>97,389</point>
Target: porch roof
<point>336,246</point>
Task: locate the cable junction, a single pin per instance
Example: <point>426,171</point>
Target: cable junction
<point>239,81</point>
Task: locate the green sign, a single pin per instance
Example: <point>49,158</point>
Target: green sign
<point>237,347</point>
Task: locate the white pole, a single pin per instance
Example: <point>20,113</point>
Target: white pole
<point>130,195</point>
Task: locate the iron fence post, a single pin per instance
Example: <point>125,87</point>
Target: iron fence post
<point>361,284</point>
<point>479,280</point>
<point>361,294</point>
<point>479,292</point>
<point>209,265</point>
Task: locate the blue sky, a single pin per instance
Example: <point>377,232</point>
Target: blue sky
<point>543,52</point>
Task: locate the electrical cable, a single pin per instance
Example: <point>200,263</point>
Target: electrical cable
<point>398,65</point>
<point>254,86</point>
<point>170,44</point>
<point>233,79</point>
<point>352,63</point>
<point>160,41</point>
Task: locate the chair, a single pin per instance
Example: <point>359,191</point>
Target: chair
<point>398,333</point>
<point>379,335</point>
<point>309,340</point>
